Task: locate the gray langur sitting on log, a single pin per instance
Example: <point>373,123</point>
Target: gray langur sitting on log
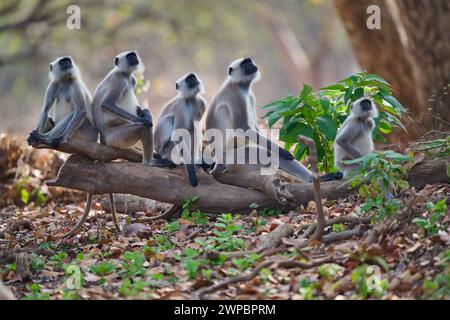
<point>354,137</point>
<point>183,112</point>
<point>116,112</point>
<point>72,100</point>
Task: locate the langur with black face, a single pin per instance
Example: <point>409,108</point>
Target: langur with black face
<point>72,100</point>
<point>182,113</point>
<point>116,114</point>
<point>354,137</point>
<point>234,108</point>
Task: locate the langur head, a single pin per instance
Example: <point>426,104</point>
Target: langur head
<point>364,108</point>
<point>243,70</point>
<point>128,61</point>
<point>189,85</point>
<point>63,68</point>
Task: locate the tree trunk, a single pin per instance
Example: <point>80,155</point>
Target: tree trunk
<point>427,25</point>
<point>411,51</point>
<point>380,51</point>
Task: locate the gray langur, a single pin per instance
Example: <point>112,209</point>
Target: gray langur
<point>72,102</point>
<point>72,99</point>
<point>182,112</point>
<point>234,107</point>
<point>116,112</point>
<point>354,137</point>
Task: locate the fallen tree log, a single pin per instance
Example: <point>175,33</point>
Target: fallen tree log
<point>172,186</point>
<point>93,150</point>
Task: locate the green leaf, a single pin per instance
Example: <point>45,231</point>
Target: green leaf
<point>358,93</point>
<point>327,126</point>
<point>338,87</point>
<point>374,77</point>
<point>306,91</point>
<point>24,196</point>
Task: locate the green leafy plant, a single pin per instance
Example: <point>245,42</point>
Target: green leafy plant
<point>36,293</point>
<point>318,115</point>
<point>435,148</point>
<point>380,175</point>
<point>224,235</point>
<point>132,264</point>
<point>103,268</point>
<point>58,260</point>
<point>130,288</point>
<point>189,214</point>
<point>439,287</point>
<point>27,192</point>
<point>435,213</point>
<point>306,289</point>
<point>369,284</point>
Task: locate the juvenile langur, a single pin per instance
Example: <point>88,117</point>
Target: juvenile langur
<point>354,137</point>
<point>72,99</point>
<point>182,112</point>
<point>116,112</point>
<point>234,107</point>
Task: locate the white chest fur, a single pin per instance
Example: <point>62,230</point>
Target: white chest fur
<point>129,101</point>
<point>63,107</point>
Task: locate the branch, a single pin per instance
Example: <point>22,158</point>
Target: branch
<point>276,263</point>
<point>93,150</point>
<point>172,186</point>
<point>321,222</point>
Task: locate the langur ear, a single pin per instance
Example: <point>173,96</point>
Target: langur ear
<point>230,70</point>
<point>116,62</point>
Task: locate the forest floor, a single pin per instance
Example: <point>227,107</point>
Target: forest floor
<point>185,258</point>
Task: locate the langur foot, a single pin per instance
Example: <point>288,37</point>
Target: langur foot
<point>218,170</point>
<point>33,137</point>
<point>56,142</point>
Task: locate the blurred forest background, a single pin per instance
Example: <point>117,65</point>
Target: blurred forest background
<point>294,41</point>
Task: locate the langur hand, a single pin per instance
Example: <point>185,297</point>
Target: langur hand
<point>144,114</point>
<point>146,122</point>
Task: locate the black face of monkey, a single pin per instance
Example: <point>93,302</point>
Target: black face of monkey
<point>132,59</point>
<point>248,67</point>
<point>192,81</point>
<point>366,105</point>
<point>65,63</point>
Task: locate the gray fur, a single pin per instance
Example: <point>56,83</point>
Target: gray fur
<point>116,113</point>
<point>72,101</point>
<point>234,107</point>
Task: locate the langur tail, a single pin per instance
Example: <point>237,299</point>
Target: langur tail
<point>332,176</point>
<point>190,169</point>
<point>296,169</point>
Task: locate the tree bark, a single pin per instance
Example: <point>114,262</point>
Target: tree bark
<point>381,51</point>
<point>427,25</point>
<point>172,186</point>
<point>411,51</point>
